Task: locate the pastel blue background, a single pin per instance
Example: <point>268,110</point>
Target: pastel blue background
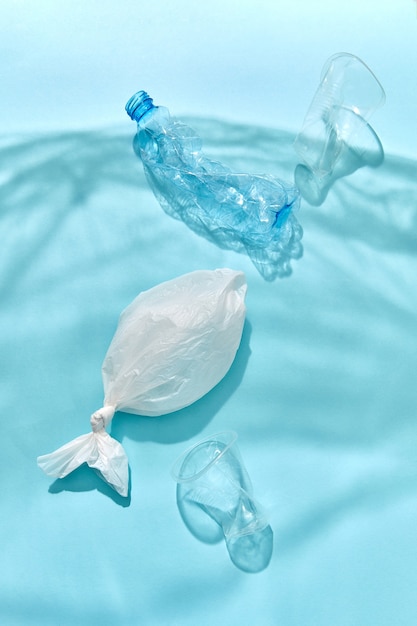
<point>322,393</point>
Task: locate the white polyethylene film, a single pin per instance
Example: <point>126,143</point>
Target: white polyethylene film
<point>173,344</point>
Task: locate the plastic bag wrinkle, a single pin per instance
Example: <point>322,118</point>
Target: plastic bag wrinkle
<point>172,345</point>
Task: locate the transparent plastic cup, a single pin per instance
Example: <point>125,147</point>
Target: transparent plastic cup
<point>336,138</point>
<point>215,499</point>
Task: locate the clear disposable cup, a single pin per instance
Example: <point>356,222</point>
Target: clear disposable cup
<point>336,138</point>
<point>215,498</point>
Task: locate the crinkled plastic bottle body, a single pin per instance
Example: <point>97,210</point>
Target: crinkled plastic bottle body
<point>247,213</point>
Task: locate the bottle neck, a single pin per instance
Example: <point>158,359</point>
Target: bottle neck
<point>138,105</point>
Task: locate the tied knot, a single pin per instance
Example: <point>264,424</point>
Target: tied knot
<point>101,418</point>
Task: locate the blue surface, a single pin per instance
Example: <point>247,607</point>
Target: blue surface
<point>322,393</point>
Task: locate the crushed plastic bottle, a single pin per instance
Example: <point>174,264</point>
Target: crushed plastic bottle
<point>253,214</point>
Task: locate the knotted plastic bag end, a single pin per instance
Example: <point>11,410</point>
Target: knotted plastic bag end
<point>99,450</point>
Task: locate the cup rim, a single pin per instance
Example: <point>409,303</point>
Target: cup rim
<point>360,62</point>
<point>231,436</point>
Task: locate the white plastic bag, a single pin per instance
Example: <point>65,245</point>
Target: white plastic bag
<point>172,345</point>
